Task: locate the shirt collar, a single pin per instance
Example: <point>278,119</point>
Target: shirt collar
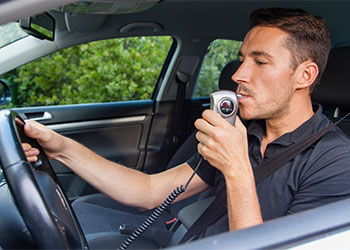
<point>315,123</point>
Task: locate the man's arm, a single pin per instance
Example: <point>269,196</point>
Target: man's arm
<point>226,148</point>
<point>126,185</point>
<point>325,176</point>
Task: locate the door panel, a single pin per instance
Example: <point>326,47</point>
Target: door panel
<point>117,131</point>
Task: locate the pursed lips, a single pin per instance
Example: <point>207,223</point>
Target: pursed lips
<point>241,96</point>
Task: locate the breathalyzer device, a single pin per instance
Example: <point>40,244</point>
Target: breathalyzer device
<point>225,103</point>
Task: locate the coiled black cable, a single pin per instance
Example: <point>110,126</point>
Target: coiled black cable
<point>159,210</point>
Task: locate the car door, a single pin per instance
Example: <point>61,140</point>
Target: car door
<point>105,103</point>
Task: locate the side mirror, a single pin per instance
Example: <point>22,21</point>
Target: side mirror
<point>41,26</point>
<point>5,94</point>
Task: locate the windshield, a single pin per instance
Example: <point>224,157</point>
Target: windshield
<point>10,33</point>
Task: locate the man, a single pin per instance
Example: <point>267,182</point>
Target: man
<point>282,58</point>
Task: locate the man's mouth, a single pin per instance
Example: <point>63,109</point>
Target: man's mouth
<point>239,96</point>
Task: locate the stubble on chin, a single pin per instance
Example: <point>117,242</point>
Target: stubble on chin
<point>264,111</point>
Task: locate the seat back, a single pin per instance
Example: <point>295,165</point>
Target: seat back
<point>333,92</point>
<point>225,80</point>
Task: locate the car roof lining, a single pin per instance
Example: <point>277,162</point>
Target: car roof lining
<point>109,6</point>
<point>219,20</point>
<point>196,21</point>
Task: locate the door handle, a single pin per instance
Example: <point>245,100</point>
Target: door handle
<point>39,116</point>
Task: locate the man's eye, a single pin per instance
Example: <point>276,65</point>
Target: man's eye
<point>260,62</point>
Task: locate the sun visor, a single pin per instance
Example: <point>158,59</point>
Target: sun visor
<point>77,22</point>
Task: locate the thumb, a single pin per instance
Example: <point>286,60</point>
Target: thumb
<point>32,130</point>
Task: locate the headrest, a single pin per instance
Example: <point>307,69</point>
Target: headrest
<point>334,88</point>
<point>225,80</point>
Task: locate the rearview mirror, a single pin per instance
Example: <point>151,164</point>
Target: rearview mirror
<point>5,94</point>
<point>41,26</point>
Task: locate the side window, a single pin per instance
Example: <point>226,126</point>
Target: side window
<point>103,71</point>
<point>220,52</point>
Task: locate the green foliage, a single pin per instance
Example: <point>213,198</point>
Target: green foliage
<point>107,71</point>
<point>103,71</point>
<point>220,52</point>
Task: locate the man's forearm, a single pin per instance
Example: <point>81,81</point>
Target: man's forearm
<point>242,202</point>
<point>126,185</point>
<point>123,184</point>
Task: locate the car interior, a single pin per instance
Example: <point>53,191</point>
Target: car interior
<point>147,134</point>
<point>332,90</point>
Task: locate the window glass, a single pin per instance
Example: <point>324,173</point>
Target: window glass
<point>220,52</point>
<point>1,177</point>
<point>10,33</point>
<point>103,71</point>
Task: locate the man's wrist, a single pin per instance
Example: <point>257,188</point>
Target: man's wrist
<point>240,174</point>
<point>64,149</point>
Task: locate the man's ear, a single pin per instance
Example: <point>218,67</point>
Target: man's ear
<point>307,73</point>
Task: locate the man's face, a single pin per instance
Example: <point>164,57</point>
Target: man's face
<point>265,78</point>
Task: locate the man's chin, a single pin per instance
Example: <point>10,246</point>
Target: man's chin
<point>249,116</point>
<point>243,114</point>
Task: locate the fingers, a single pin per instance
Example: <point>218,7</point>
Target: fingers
<point>32,158</point>
<point>212,117</point>
<point>209,120</point>
<point>217,137</point>
<point>205,145</point>
<point>211,131</point>
<point>203,126</point>
<point>30,152</point>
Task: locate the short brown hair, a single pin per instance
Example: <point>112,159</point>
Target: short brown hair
<point>308,35</point>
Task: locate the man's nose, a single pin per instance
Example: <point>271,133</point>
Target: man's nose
<point>241,74</point>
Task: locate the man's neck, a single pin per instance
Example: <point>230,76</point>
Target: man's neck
<point>285,123</point>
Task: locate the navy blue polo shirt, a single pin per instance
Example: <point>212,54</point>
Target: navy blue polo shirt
<point>319,175</point>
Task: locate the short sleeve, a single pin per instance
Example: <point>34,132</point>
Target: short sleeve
<point>206,172</point>
<point>326,181</point>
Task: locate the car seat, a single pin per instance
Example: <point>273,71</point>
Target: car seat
<point>332,92</point>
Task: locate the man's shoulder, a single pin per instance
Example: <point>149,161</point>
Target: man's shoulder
<point>333,149</point>
<point>336,137</point>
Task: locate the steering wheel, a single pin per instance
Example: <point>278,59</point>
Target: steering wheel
<point>36,190</point>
